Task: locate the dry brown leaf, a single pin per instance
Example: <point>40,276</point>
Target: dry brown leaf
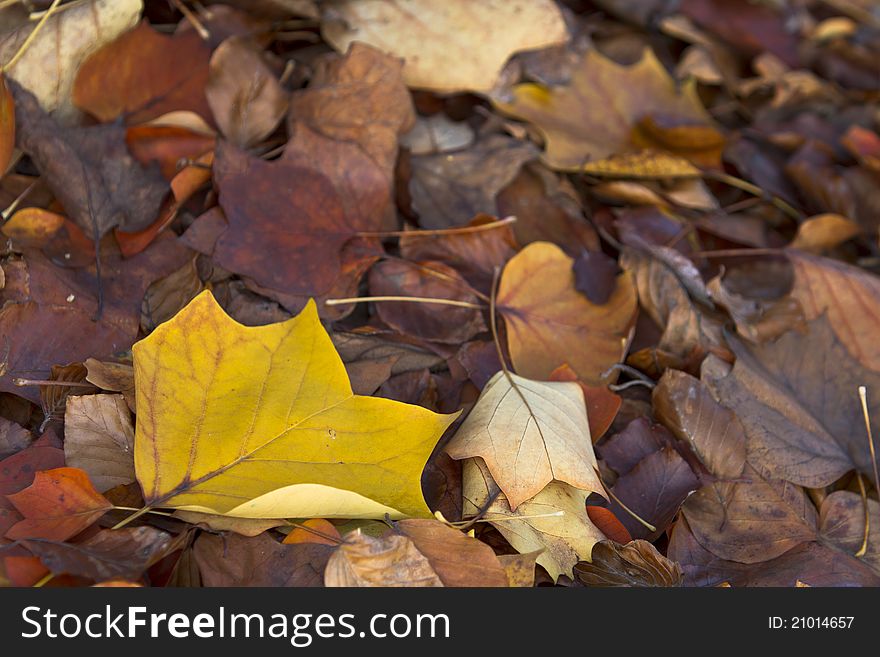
<point>637,563</point>
<point>848,295</point>
<point>529,433</point>
<point>458,559</point>
<point>434,322</point>
<point>48,66</point>
<point>797,399</point>
<point>473,254</point>
<point>99,438</point>
<point>13,437</point>
<point>245,97</point>
<point>234,560</point>
<point>520,568</point>
<point>167,296</point>
<point>449,47</point>
<point>448,189</point>
<point>550,323</point>
<point>689,331</point>
<point>824,232</point>
<point>390,561</point>
<point>756,520</point>
<point>115,377</point>
<point>609,110</point>
<point>683,404</point>
<point>815,563</point>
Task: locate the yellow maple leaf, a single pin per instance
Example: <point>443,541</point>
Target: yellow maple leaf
<point>261,422</point>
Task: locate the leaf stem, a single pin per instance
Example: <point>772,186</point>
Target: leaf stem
<point>43,581</point>
<point>193,19</point>
<point>864,547</point>
<point>30,38</point>
<point>45,382</point>
<point>445,302</point>
<point>133,516</point>
<point>863,399</point>
<point>623,506</point>
<point>753,189</point>
<point>440,232</point>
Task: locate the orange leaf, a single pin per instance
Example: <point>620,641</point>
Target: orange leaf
<point>323,530</point>
<point>166,145</point>
<point>144,74</point>
<point>33,227</point>
<point>24,571</point>
<point>608,524</point>
<point>59,504</point>
<point>7,125</point>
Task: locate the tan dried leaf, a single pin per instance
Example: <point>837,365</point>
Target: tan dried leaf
<point>245,97</point>
<point>554,522</point>
<point>529,433</point>
<point>99,438</point>
<point>451,46</point>
<point>390,561</point>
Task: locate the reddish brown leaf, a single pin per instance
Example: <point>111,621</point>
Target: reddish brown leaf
<point>89,170</point>
<point>53,319</point>
<point>608,524</point>
<point>296,252</point>
<point>797,399</point>
<point>59,504</point>
<point>144,74</point>
<point>122,553</point>
<point>17,473</point>
<point>7,124</point>
<point>233,560</point>
<point>654,480</point>
<point>167,145</point>
<point>474,254</point>
<point>426,321</point>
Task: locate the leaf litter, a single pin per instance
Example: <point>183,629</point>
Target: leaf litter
<point>511,301</point>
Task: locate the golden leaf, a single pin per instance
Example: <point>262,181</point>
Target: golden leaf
<point>261,422</point>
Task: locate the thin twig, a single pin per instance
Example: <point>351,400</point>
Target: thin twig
<point>623,506</point>
<point>46,382</point>
<point>441,232</point>
<point>7,213</point>
<point>864,547</point>
<point>863,399</point>
<point>137,514</point>
<point>193,19</point>
<point>445,302</point>
<point>30,38</point>
<point>754,190</point>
